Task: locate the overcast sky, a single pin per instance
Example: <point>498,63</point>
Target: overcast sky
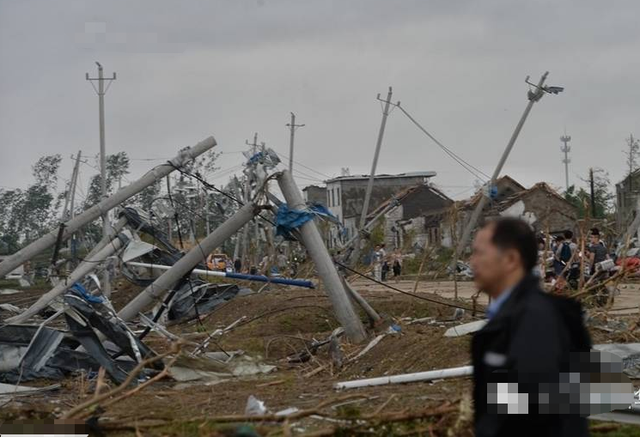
<point>190,69</point>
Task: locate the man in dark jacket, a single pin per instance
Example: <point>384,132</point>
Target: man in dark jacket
<point>528,341</point>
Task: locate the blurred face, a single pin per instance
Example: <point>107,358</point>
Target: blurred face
<point>594,239</point>
<point>492,267</point>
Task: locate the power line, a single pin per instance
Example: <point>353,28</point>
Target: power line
<point>302,165</point>
<point>470,168</point>
<point>417,296</point>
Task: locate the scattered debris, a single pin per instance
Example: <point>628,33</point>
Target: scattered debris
<point>466,328</point>
<point>10,308</point>
<point>255,407</point>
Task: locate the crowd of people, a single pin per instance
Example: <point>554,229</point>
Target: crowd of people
<point>562,259</point>
<point>384,263</point>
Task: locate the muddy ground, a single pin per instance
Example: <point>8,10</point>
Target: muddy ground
<point>283,321</point>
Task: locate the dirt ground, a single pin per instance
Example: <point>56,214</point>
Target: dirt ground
<point>281,322</point>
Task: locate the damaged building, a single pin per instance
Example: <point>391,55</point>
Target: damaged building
<point>345,197</point>
<point>540,205</point>
<point>409,224</point>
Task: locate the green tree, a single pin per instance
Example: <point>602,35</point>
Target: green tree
<point>580,197</point>
<point>26,215</point>
<point>117,167</point>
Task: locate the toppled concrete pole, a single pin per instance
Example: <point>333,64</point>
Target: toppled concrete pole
<point>372,222</point>
<point>155,174</point>
<point>187,263</point>
<point>345,314</point>
<point>86,267</point>
<point>371,313</point>
<point>117,228</point>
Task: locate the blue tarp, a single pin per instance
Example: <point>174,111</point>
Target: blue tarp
<point>255,158</point>
<point>78,289</point>
<point>288,219</point>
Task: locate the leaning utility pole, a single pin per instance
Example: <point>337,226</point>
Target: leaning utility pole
<point>106,288</point>
<point>374,164</point>
<point>87,216</point>
<point>74,184</point>
<point>312,240</point>
<point>292,127</point>
<point>533,96</point>
<point>69,195</point>
<point>566,149</point>
<point>367,197</point>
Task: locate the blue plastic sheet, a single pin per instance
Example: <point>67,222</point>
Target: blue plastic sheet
<point>287,219</point>
<point>78,289</point>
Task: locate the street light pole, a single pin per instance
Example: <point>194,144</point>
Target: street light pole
<point>533,96</point>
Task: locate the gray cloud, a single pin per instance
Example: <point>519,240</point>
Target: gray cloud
<point>229,68</point>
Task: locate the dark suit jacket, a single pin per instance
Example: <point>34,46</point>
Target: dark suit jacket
<point>528,342</point>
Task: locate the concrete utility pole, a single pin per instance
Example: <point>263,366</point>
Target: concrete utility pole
<point>566,149</point>
<point>292,127</point>
<point>106,287</point>
<point>66,210</point>
<point>89,215</point>
<point>170,227</point>
<point>247,197</point>
<point>533,96</point>
<point>73,246</point>
<point>188,262</point>
<point>374,164</point>
<point>312,240</point>
<point>80,272</point>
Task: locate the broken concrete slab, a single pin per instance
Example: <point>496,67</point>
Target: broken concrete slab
<point>185,374</point>
<point>466,328</point>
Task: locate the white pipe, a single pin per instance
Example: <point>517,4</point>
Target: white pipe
<point>162,267</point>
<point>454,372</point>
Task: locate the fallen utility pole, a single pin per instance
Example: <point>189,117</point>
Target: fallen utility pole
<point>454,372</point>
<point>80,272</point>
<point>370,224</point>
<point>86,217</point>
<point>188,262</point>
<point>240,276</point>
<point>371,313</point>
<point>312,240</point>
<point>533,96</point>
